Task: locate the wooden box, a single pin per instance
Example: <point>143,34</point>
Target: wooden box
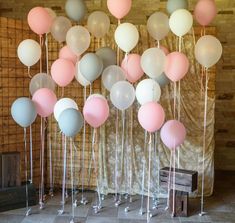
<point>185,180</point>
<point>181,204</point>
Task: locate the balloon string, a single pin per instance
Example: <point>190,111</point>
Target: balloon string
<point>29,75</point>
<point>72,181</point>
<point>40,39</point>
<point>179,99</point>
<point>174,99</point>
<point>50,163</point>
<point>173,205</point>
<point>131,148</point>
<point>47,53</point>
<point>55,149</point>
<point>83,146</point>
<point>149,177</point>
<point>64,140</point>
<point>26,172</point>
<point>158,164</point>
<point>116,154</point>
<point>194,38</point>
<point>123,139</point>
<point>90,89</point>
<point>204,141</point>
<point>202,77</point>
<point>158,44</point>
<point>31,154</point>
<point>169,181</point>
<point>94,142</point>
<point>118,49</point>
<point>62,92</point>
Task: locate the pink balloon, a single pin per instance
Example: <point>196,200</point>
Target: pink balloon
<point>165,50</point>
<point>119,8</point>
<point>151,116</point>
<point>173,134</point>
<point>62,72</point>
<point>205,11</point>
<point>177,66</point>
<point>66,53</point>
<point>39,20</point>
<point>131,66</point>
<point>45,100</point>
<point>96,111</point>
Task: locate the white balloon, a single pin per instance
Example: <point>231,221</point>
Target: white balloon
<point>181,22</point>
<point>62,105</point>
<point>29,52</point>
<point>148,90</point>
<point>126,37</point>
<point>80,78</point>
<point>153,62</point>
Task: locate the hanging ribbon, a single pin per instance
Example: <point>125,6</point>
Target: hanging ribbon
<point>28,210</point>
<point>41,45</point>
<point>116,155</point>
<point>64,140</point>
<point>51,166</point>
<point>173,205</point>
<point>149,178</point>
<point>31,154</point>
<point>47,53</point>
<point>169,183</point>
<point>204,142</point>
<point>29,75</point>
<point>72,181</point>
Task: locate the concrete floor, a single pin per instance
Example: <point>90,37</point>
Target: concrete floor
<point>220,208</point>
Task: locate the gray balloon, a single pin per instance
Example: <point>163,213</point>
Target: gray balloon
<point>91,66</point>
<point>23,111</point>
<point>75,9</point>
<point>108,56</point>
<point>71,122</point>
<point>41,80</point>
<point>162,80</point>
<point>173,5</point>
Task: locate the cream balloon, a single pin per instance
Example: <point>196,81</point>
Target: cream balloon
<point>208,51</point>
<point>80,78</point>
<point>98,24</point>
<point>29,52</point>
<point>78,39</point>
<point>158,25</point>
<point>153,62</point>
<point>148,90</point>
<point>51,13</point>
<point>126,36</point>
<point>181,22</point>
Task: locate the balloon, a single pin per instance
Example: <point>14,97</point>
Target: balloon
<point>107,55</point>
<point>66,53</point>
<point>78,39</point>
<point>60,27</point>
<point>126,36</point>
<point>165,50</point>
<point>122,95</point>
<point>208,51</point>
<point>181,22</point>
<point>41,80</point>
<point>162,80</point>
<point>71,122</point>
<point>29,52</point>
<point>39,20</point>
<point>112,75</point>
<point>62,105</point>
<point>148,90</point>
<point>151,116</point>
<point>75,9</point>
<point>45,100</point>
<point>96,96</point>
<point>173,134</point>
<point>91,66</point>
<point>131,66</point>
<point>205,11</point>
<point>96,117</point>
<point>79,77</point>
<point>177,66</point>
<point>153,62</point>
<point>23,111</point>
<point>98,24</point>
<point>51,13</point>
<point>173,5</point>
<point>119,8</point>
<point>158,25</point>
<point>62,72</point>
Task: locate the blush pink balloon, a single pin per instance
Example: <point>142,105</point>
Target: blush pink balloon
<point>205,11</point>
<point>119,8</point>
<point>39,20</point>
<point>173,134</point>
<point>66,53</point>
<point>131,66</point>
<point>45,100</point>
<point>96,111</point>
<point>62,72</point>
<point>177,66</point>
<point>151,116</point>
<point>165,50</point>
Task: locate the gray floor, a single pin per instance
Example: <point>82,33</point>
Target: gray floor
<point>220,208</point>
